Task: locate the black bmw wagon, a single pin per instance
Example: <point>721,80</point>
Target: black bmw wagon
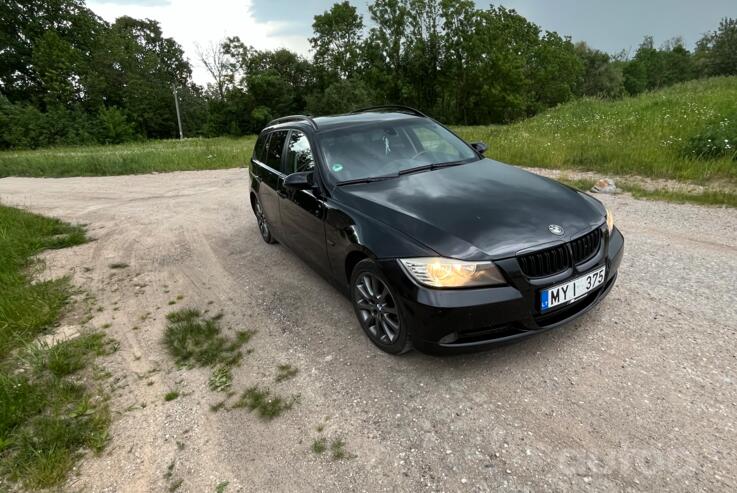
<point>437,247</point>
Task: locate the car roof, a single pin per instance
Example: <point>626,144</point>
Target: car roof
<point>327,123</point>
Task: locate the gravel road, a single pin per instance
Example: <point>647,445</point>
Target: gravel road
<point>639,394</point>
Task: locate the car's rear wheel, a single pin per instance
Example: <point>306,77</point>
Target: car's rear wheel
<point>263,225</point>
<point>378,309</point>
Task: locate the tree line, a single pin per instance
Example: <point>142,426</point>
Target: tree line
<point>69,77</point>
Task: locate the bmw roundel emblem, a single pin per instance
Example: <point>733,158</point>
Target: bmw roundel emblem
<point>555,229</point>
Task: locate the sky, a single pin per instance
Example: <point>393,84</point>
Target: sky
<point>607,25</point>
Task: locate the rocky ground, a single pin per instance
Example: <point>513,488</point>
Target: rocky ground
<point>640,394</point>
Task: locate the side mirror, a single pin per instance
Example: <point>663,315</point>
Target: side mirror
<point>479,147</point>
<point>299,181</point>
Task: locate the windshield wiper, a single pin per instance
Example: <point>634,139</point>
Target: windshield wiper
<point>366,180</point>
<point>431,167</point>
<point>426,167</point>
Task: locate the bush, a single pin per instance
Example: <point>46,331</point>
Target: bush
<point>23,126</point>
<point>114,127</point>
<point>26,127</point>
<point>716,140</point>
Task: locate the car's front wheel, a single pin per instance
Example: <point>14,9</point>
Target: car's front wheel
<point>378,309</point>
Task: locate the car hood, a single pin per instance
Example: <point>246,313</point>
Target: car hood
<point>479,210</point>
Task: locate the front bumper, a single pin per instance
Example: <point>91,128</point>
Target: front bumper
<point>460,320</point>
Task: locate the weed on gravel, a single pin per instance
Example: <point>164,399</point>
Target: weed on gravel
<point>320,445</point>
<point>261,401</point>
<point>118,265</point>
<point>337,448</point>
<point>338,451</point>
<point>196,341</point>
<point>171,395</point>
<point>285,372</point>
<point>221,379</point>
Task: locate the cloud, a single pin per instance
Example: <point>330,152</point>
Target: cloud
<point>193,22</point>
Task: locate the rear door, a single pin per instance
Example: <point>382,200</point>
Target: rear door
<point>303,211</point>
<point>270,178</point>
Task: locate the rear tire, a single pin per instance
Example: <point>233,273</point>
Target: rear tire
<point>263,225</point>
<point>378,310</point>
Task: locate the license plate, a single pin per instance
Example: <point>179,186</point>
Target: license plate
<point>571,290</point>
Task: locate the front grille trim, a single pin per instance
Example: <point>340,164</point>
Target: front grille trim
<point>554,260</point>
<point>585,247</point>
<point>546,262</point>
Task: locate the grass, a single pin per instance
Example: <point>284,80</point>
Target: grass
<point>337,448</point>
<point>128,159</point>
<point>264,403</point>
<point>171,395</point>
<point>643,135</point>
<point>320,445</point>
<point>338,451</point>
<point>49,413</point>
<point>27,309</point>
<point>709,197</point>
<point>221,379</point>
<point>118,265</point>
<point>285,372</point>
<point>196,341</point>
<point>69,357</point>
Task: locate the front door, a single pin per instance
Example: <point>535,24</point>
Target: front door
<point>302,211</point>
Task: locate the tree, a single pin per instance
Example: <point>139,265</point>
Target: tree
<point>384,49</point>
<point>555,71</point>
<point>716,52</point>
<point>55,28</point>
<point>135,68</point>
<point>601,77</point>
<point>337,40</point>
<point>340,97</point>
<point>218,64</point>
<point>458,55</point>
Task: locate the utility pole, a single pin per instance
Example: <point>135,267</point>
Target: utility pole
<point>179,118</point>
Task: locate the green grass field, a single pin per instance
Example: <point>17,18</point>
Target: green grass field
<point>48,411</point>
<point>128,159</point>
<point>644,135</point>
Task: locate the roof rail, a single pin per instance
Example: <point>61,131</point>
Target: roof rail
<point>399,107</point>
<point>293,118</point>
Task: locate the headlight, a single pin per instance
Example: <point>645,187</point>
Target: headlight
<point>438,272</point>
<point>609,220</point>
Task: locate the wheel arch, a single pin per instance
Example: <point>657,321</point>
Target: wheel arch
<point>352,259</point>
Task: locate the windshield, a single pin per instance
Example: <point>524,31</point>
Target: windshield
<point>388,148</point>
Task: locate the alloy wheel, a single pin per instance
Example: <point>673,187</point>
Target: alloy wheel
<point>263,226</point>
<point>377,309</point>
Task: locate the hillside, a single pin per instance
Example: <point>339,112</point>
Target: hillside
<point>669,133</point>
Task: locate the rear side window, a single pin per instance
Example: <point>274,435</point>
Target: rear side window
<point>299,153</point>
<point>276,149</point>
<point>259,151</point>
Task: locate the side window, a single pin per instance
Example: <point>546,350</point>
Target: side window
<point>259,150</point>
<point>299,154</point>
<point>276,148</point>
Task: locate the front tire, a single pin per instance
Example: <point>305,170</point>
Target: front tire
<point>378,310</point>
